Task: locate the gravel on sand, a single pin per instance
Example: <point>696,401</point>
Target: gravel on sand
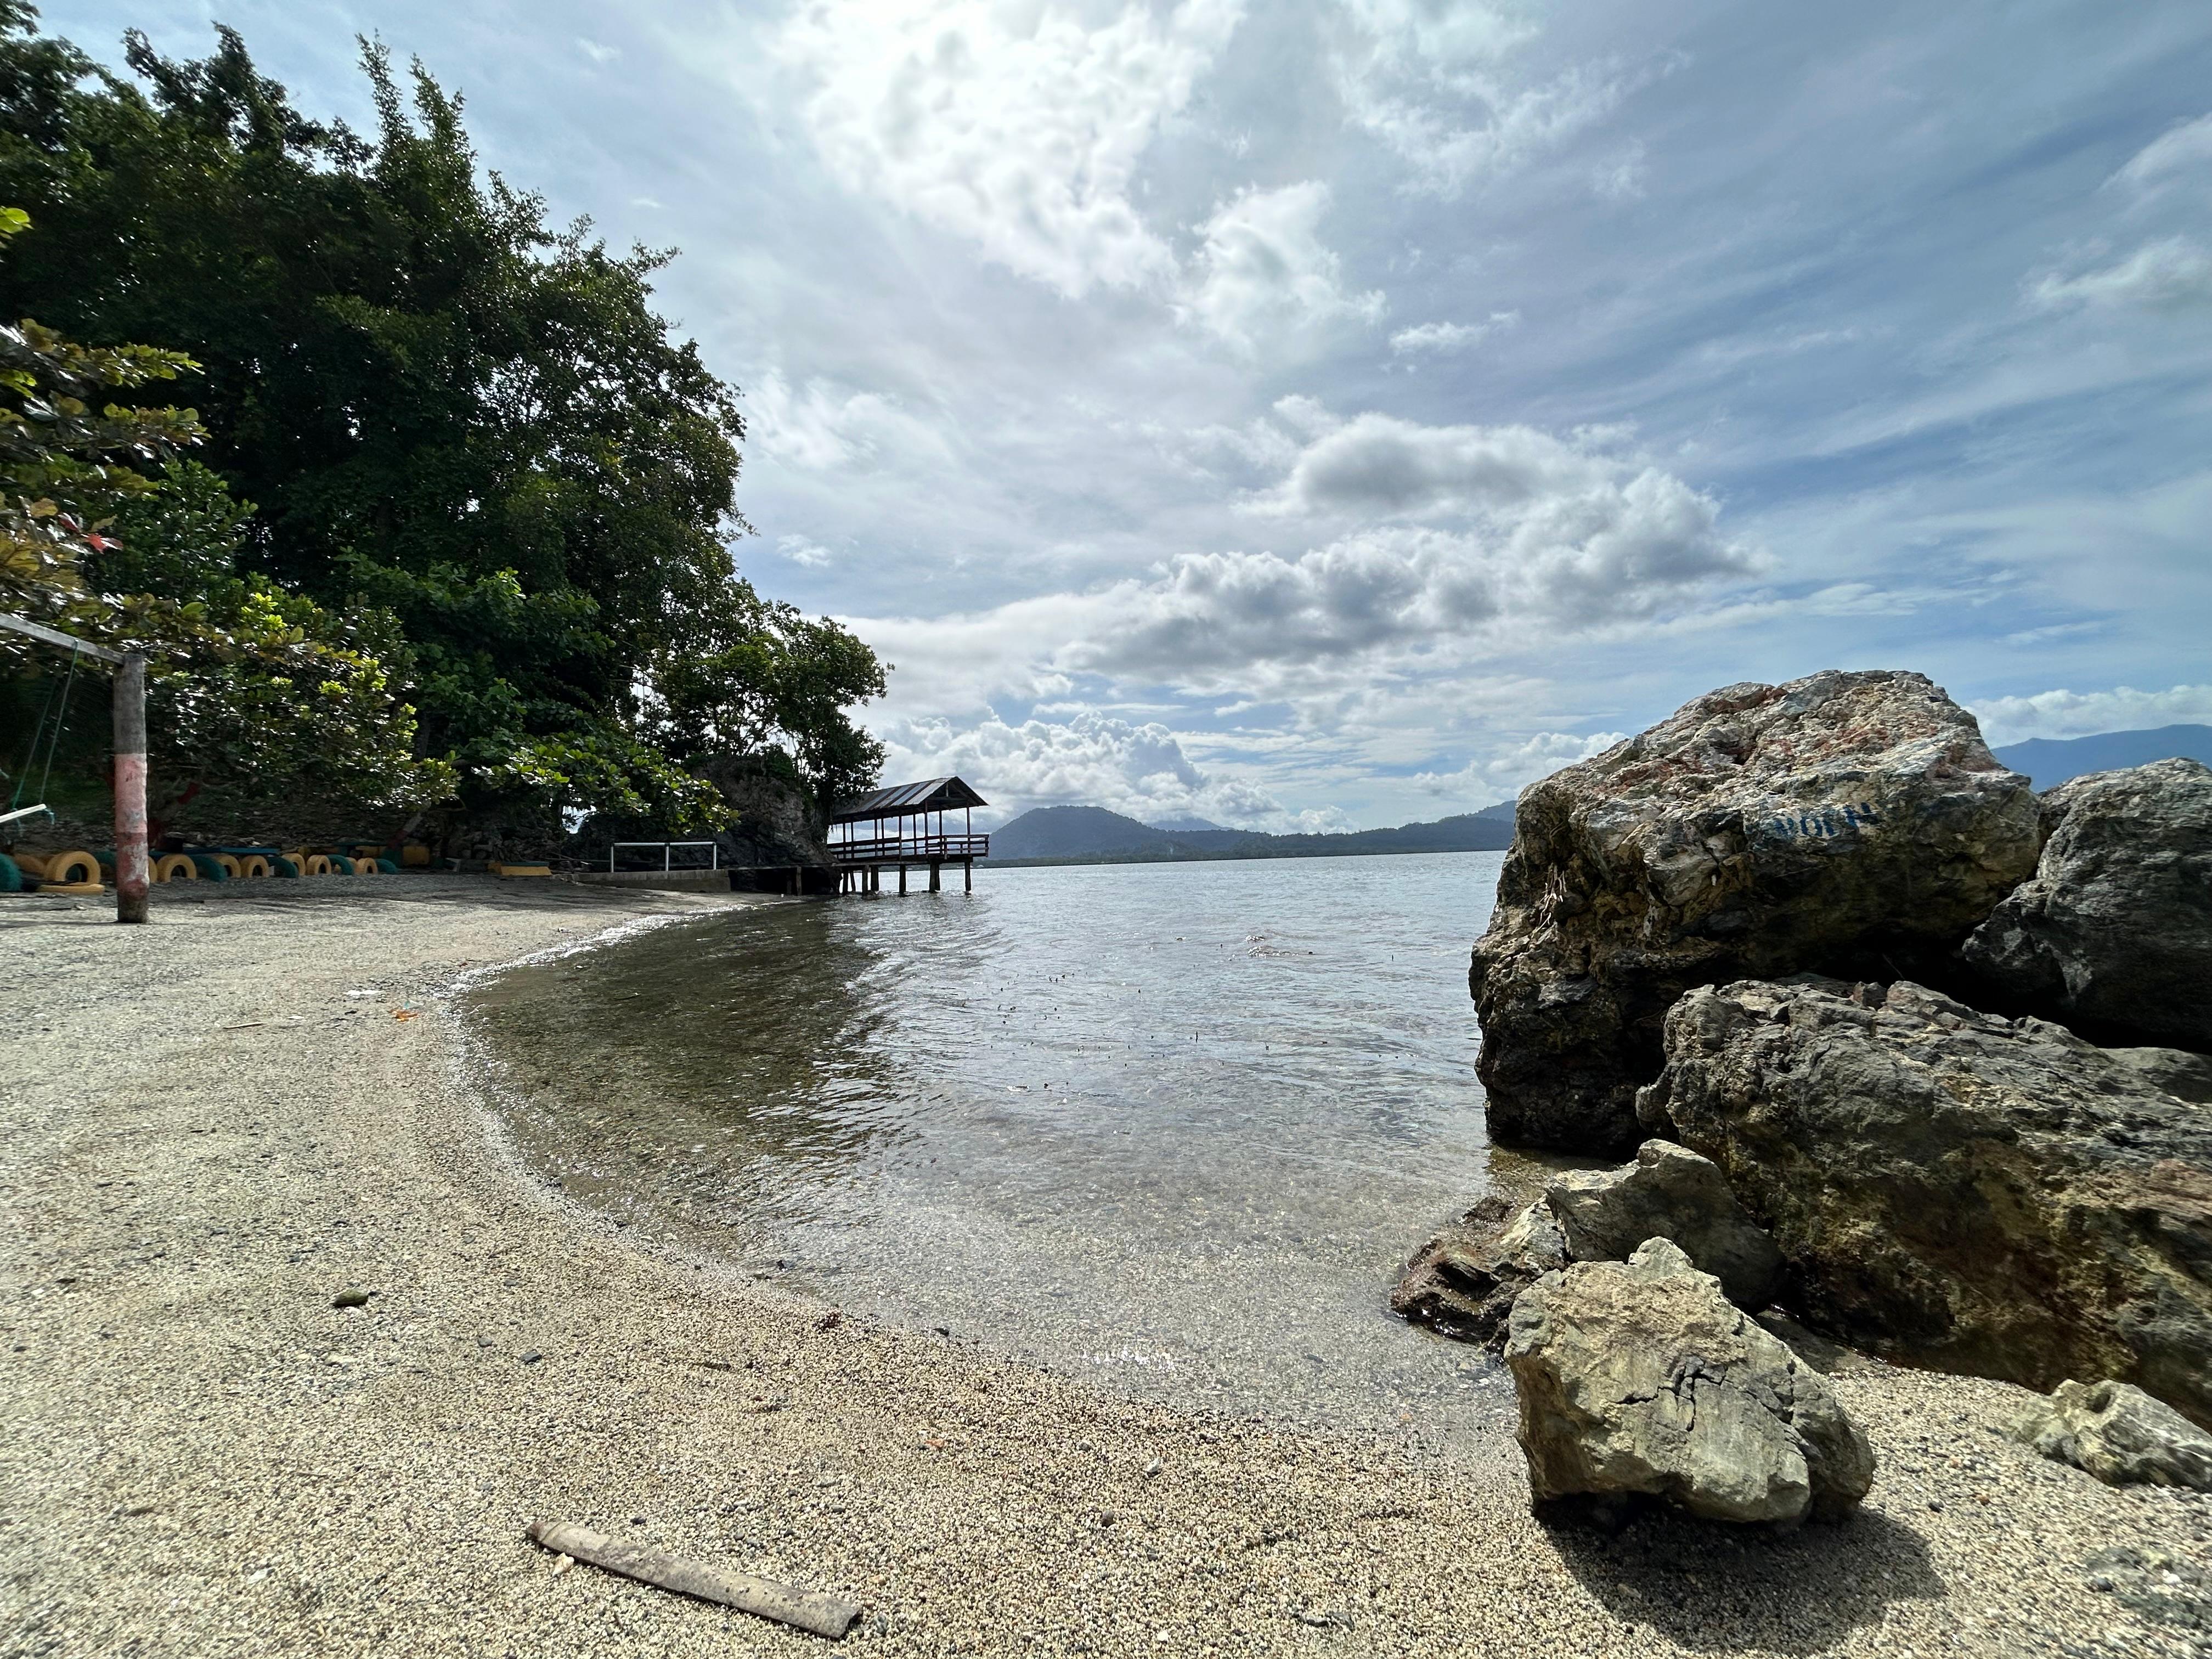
<point>216,1130</point>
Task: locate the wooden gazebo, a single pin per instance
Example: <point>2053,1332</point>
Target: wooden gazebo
<point>905,825</point>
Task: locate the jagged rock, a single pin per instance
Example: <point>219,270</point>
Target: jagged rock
<point>779,821</point>
<point>1668,1192</point>
<point>1463,1280</point>
<point>1642,1378</point>
<point>2119,1434</point>
<point>2115,927</point>
<point>1987,1195</point>
<point>1851,823</point>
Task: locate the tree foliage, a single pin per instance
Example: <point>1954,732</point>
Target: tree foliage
<point>450,413</point>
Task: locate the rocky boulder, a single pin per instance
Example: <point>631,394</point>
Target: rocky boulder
<point>2120,1435</point>
<point>1641,1378</point>
<point>1671,1193</point>
<point>1988,1196</point>
<point>1462,1281</point>
<point>1851,823</point>
<point>2115,928</point>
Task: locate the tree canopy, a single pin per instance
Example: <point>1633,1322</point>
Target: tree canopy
<point>452,415</point>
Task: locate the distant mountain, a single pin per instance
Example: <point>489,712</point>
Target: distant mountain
<point>1502,810</point>
<point>1077,832</point>
<point>1092,835</point>
<point>2049,761</point>
<point>1174,825</point>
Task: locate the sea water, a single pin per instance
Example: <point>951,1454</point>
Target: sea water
<point>1172,1126</point>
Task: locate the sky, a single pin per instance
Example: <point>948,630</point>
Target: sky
<point>1336,413</point>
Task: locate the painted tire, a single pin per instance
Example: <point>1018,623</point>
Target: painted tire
<point>387,866</point>
<point>286,866</point>
<point>232,869</point>
<point>65,869</point>
<point>318,864</point>
<point>254,866</point>
<point>209,869</point>
<point>174,866</point>
<point>11,875</point>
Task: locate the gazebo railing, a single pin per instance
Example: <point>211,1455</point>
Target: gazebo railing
<point>890,849</point>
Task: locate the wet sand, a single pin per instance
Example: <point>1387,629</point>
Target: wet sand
<point>207,1138</point>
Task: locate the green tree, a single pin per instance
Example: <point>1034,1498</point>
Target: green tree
<point>447,408</point>
<point>256,695</point>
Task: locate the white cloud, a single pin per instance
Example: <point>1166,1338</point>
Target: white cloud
<point>1263,272</point>
<point>1503,774</point>
<point>820,427</point>
<point>597,53</point>
<point>1451,336</point>
<point>1430,82</point>
<point>2080,714</point>
<point>2163,275</point>
<point>1517,529</point>
<point>800,550</point>
<point>1093,760</point>
<point>1017,128</point>
<point>2184,147</point>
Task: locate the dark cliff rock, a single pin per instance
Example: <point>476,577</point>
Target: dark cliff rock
<point>2114,930</point>
<point>1852,823</point>
<point>779,821</point>
<point>1986,1196</point>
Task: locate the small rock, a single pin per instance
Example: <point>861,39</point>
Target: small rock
<point>1642,1378</point>
<point>1152,1468</point>
<point>1668,1192</point>
<point>351,1298</point>
<point>829,1321</point>
<point>2119,1434</point>
<point>532,1357</point>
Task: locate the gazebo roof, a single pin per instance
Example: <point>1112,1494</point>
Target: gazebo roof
<point>930,795</point>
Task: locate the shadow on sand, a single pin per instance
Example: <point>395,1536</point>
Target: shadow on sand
<point>1720,1588</point>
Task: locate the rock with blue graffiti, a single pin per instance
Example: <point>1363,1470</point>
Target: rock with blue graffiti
<point>1846,823</point>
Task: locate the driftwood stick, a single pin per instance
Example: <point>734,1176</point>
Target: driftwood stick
<point>824,1615</point>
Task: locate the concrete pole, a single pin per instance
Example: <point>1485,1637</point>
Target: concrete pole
<point>132,875</point>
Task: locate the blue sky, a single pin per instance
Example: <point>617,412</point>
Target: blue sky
<point>1339,412</point>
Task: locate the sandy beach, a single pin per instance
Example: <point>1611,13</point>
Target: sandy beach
<point>216,1124</point>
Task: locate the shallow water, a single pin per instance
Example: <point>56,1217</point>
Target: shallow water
<point>1173,1127</point>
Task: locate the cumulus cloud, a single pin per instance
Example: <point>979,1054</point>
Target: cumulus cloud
<point>1263,273</point>
<point>1451,336</point>
<point>2064,714</point>
<point>1092,760</point>
<point>800,550</point>
<point>1503,774</point>
<point>2181,149</point>
<point>1019,128</point>
<point>2171,275</point>
<point>1452,534</point>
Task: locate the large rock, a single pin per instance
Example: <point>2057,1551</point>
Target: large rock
<point>1851,823</point>
<point>1668,1192</point>
<point>2115,928</point>
<point>1987,1195</point>
<point>1642,1378</point>
<point>1463,1281</point>
<point>779,821</point>
<point>2120,1435</point>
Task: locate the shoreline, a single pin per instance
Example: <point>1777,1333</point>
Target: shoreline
<point>204,1456</point>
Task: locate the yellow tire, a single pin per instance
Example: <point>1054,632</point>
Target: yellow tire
<point>231,867</point>
<point>317,865</point>
<point>364,865</point>
<point>174,866</point>
<point>253,865</point>
<point>32,864</point>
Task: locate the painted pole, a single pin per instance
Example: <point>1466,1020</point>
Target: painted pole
<point>130,871</point>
